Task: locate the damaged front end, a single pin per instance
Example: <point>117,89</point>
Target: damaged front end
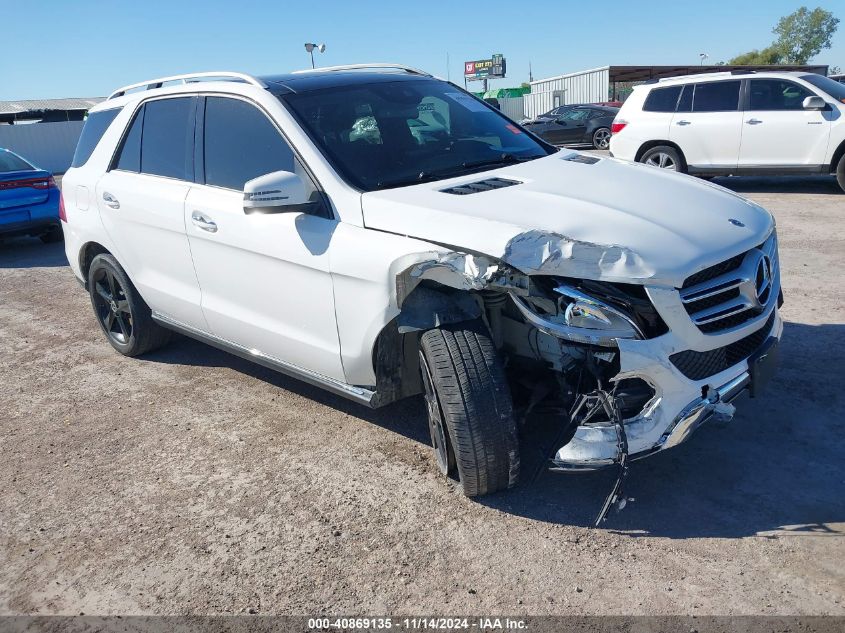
<point>603,355</point>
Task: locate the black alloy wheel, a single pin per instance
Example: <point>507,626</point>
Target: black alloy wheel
<point>112,306</point>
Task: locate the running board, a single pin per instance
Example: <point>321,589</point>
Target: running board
<point>358,394</point>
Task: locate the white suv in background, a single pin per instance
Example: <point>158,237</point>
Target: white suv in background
<point>382,233</point>
<point>736,123</point>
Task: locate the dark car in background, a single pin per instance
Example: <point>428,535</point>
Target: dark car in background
<point>581,124</point>
<point>29,200</point>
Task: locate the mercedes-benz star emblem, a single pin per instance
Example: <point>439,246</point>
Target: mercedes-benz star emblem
<point>764,278</point>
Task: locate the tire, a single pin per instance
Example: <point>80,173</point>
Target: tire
<point>466,388</point>
<point>124,317</point>
<point>601,138</point>
<point>840,172</point>
<point>52,236</point>
<point>664,157</point>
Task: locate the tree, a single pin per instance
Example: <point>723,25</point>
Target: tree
<point>800,36</point>
<point>769,55</point>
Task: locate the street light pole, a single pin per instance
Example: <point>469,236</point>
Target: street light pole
<point>310,48</point>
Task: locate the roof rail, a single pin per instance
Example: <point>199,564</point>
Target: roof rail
<point>743,72</point>
<point>150,84</point>
<point>376,66</point>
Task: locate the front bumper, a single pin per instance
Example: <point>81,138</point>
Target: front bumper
<point>679,407</point>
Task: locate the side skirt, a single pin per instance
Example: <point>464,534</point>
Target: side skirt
<point>358,394</point>
<point>758,170</point>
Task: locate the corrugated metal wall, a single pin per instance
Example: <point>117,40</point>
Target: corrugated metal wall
<point>588,86</point>
<point>49,146</point>
<point>512,107</point>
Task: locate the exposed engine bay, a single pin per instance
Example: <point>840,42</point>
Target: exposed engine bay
<point>585,350</point>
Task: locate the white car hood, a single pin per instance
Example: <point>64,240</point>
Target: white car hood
<point>608,220</point>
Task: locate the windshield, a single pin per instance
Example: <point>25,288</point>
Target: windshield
<point>393,134</point>
<point>826,84</point>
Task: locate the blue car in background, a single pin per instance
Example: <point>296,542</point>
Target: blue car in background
<point>30,202</point>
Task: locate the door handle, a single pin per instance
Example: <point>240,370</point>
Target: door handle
<point>110,200</point>
<point>203,222</point>
<point>754,121</point>
<point>682,122</point>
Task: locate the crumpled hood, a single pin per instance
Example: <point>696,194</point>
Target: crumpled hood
<point>609,220</point>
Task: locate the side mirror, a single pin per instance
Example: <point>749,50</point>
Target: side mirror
<point>277,192</point>
<point>561,121</point>
<point>814,103</point>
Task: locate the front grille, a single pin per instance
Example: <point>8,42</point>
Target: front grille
<point>709,302</point>
<point>734,291</point>
<point>714,271</point>
<point>700,365</point>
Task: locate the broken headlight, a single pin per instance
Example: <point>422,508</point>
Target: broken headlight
<point>580,310</point>
<point>569,313</point>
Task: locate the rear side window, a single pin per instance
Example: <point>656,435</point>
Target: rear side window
<point>95,126</point>
<point>240,144</point>
<point>12,162</point>
<point>167,138</point>
<point>129,156</point>
<point>662,99</point>
<point>685,100</point>
<point>777,94</point>
<point>716,96</point>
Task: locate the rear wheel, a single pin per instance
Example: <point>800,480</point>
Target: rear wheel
<point>664,157</point>
<point>469,408</point>
<point>601,138</point>
<point>121,312</point>
<point>840,172</point>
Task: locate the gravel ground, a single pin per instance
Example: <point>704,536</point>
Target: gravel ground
<point>190,481</point>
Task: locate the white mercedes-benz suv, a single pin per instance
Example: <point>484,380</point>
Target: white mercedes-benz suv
<point>382,233</point>
<point>736,123</point>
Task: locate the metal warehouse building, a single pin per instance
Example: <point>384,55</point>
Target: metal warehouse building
<point>44,131</point>
<point>610,83</point>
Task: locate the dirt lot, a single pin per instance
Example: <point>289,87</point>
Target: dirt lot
<point>193,482</point>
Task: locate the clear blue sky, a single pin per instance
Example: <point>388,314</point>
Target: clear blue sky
<point>57,48</point>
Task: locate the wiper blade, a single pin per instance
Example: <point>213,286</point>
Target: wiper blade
<point>427,176</point>
<point>502,159</point>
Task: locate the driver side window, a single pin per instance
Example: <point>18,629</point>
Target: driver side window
<point>240,143</point>
<point>575,115</point>
<point>777,94</point>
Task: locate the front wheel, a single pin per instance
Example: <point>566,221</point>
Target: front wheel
<point>601,138</point>
<point>470,411</point>
<point>664,157</point>
<point>840,172</point>
<point>121,312</point>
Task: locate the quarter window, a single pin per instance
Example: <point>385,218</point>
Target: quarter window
<point>129,157</point>
<point>95,126</point>
<point>716,96</point>
<point>662,99</point>
<point>241,144</point>
<point>777,94</point>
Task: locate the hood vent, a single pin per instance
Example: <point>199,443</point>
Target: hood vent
<point>481,185</point>
<point>581,158</point>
